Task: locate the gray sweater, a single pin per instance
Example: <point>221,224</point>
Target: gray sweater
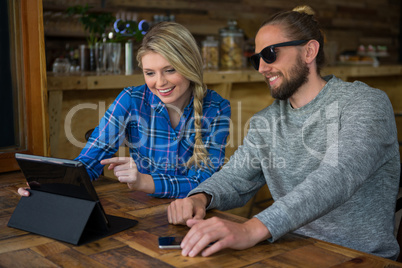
<point>332,167</point>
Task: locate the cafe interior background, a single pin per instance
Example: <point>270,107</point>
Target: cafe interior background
<point>362,39</point>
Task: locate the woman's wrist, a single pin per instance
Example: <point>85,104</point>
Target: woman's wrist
<point>144,183</point>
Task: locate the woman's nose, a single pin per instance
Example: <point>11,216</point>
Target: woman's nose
<point>161,81</point>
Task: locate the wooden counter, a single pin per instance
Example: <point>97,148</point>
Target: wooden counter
<point>77,102</point>
<point>138,246</point>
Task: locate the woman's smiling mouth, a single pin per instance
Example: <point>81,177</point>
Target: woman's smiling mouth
<point>165,91</point>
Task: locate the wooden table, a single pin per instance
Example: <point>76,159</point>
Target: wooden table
<point>137,246</point>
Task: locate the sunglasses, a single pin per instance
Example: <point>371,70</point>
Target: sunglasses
<point>268,54</point>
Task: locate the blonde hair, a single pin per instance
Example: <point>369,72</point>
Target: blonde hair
<point>304,9</point>
<point>177,45</point>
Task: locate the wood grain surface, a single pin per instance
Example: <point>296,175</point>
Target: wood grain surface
<point>138,246</point>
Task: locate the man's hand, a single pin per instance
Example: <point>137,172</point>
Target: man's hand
<point>126,171</point>
<point>224,233</point>
<point>193,207</point>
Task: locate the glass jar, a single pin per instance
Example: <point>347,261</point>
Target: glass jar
<point>61,65</point>
<point>231,46</point>
<point>210,53</point>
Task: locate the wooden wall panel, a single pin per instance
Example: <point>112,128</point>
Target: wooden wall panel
<point>34,83</point>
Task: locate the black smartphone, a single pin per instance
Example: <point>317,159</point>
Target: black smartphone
<point>170,242</point>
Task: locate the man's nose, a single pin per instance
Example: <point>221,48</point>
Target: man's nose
<point>264,67</point>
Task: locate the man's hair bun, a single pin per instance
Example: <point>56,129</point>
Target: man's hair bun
<point>304,9</point>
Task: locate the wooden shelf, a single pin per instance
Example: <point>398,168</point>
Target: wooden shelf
<point>91,81</point>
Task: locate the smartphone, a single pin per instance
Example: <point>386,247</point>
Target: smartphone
<point>170,242</point>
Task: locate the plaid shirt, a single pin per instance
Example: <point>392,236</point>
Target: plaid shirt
<point>140,120</point>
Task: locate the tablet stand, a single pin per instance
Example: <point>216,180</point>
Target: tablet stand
<point>73,220</point>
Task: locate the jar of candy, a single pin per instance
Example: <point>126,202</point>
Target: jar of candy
<point>210,53</point>
<point>231,46</point>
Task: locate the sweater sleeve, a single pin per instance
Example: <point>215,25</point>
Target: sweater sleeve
<point>365,140</point>
<point>238,180</point>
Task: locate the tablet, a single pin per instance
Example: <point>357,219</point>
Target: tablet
<point>62,198</point>
<point>58,176</point>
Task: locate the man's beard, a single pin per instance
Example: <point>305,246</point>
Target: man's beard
<point>298,77</point>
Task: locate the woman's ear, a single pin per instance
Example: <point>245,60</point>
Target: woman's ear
<point>312,48</point>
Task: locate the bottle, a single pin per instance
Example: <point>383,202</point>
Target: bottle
<point>210,53</point>
<point>231,46</point>
<point>129,57</point>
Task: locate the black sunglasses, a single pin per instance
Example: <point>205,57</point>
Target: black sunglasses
<point>268,53</point>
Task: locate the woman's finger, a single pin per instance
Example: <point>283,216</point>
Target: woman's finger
<point>115,160</point>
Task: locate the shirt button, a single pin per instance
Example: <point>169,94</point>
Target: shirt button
<point>174,138</point>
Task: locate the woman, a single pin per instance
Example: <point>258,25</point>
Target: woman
<point>175,128</point>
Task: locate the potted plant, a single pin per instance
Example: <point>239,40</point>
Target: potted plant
<point>95,24</point>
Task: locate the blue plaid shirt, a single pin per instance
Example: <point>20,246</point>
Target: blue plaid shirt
<point>140,120</point>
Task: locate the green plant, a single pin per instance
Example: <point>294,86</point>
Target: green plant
<point>94,23</point>
<point>131,32</point>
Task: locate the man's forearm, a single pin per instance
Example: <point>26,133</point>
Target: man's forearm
<point>257,230</point>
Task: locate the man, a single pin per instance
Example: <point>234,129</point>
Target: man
<point>327,150</point>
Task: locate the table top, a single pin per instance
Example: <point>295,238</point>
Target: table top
<point>138,246</point>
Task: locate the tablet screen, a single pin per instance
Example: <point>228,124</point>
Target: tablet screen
<point>58,176</point>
